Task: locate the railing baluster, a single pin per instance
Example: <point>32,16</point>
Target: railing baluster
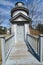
<point>33,43</point>
<point>9,45</point>
<point>6,46</point>
<point>41,47</point>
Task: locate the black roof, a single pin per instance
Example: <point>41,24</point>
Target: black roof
<point>19,8</point>
<point>20,14</point>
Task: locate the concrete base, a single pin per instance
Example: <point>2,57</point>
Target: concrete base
<point>27,31</point>
<point>14,30</point>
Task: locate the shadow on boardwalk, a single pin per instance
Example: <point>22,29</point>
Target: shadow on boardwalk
<point>31,50</point>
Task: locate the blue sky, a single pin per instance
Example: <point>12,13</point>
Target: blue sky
<point>7,5</point>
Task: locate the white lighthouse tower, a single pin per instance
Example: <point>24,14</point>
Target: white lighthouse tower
<point>20,21</point>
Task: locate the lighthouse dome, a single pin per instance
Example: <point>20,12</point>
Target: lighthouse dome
<point>19,8</point>
<point>21,4</point>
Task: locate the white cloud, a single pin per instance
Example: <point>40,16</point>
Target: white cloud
<point>4,12</point>
<point>6,3</point>
<point>6,23</point>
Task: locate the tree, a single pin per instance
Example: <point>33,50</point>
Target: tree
<point>40,28</point>
<point>3,30</point>
<point>35,11</point>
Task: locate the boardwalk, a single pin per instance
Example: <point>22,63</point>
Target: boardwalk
<point>20,55</point>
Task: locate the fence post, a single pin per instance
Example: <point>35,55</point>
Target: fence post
<point>41,47</point>
<point>3,49</point>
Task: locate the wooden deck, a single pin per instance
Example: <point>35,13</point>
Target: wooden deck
<point>20,55</point>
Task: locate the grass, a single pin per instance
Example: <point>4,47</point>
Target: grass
<point>6,35</point>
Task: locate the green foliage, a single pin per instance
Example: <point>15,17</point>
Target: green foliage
<point>3,30</point>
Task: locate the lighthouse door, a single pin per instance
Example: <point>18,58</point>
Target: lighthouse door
<point>20,33</point>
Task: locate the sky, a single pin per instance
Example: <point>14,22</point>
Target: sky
<point>7,5</point>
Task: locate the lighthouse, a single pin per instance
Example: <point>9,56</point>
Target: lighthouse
<point>20,21</point>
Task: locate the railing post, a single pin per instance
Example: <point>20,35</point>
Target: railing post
<point>3,49</point>
<point>13,41</point>
<point>41,47</point>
